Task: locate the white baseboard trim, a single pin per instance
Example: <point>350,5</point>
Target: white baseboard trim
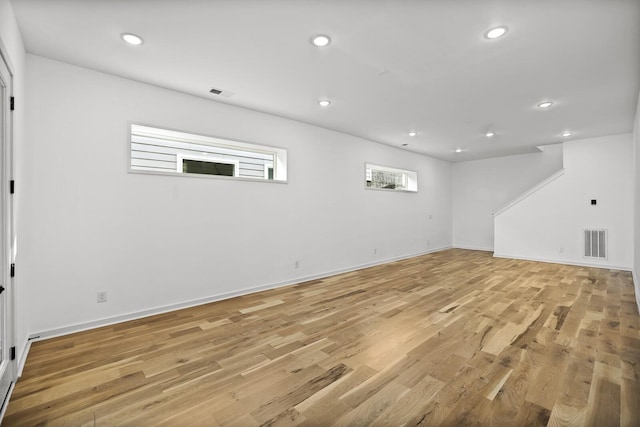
<point>5,404</point>
<point>563,261</point>
<point>23,358</point>
<point>473,248</point>
<point>79,327</point>
<point>636,287</point>
<point>20,367</point>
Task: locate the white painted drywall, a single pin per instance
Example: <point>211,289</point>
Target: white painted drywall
<point>154,241</point>
<point>548,225</point>
<point>481,187</point>
<point>13,48</point>
<point>636,198</point>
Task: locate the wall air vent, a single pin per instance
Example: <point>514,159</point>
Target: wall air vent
<point>221,92</point>
<point>595,243</point>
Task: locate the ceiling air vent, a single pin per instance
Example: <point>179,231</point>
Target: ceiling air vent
<point>221,92</point>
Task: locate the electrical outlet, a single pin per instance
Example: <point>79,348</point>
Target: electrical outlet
<point>297,264</point>
<point>375,251</point>
<point>428,242</point>
<point>561,250</point>
<point>102,296</point>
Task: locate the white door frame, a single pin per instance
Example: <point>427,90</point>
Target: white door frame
<point>7,363</point>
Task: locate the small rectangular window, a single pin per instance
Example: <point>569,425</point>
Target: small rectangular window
<point>386,178</point>
<point>163,151</point>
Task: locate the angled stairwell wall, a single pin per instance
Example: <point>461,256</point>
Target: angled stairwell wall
<point>547,223</point>
<point>480,187</point>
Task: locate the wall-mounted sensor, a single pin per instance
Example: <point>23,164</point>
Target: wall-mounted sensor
<point>594,202</point>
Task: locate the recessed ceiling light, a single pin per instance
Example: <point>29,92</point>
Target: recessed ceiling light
<point>496,32</point>
<point>413,133</point>
<point>565,133</point>
<point>324,103</point>
<point>132,39</point>
<point>545,104</point>
<point>320,40</point>
<point>458,150</point>
<point>489,134</point>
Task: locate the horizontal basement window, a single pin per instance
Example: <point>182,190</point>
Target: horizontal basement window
<point>162,151</point>
<point>386,178</point>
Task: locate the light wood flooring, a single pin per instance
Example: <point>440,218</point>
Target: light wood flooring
<point>451,338</point>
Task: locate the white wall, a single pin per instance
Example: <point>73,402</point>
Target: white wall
<point>548,225</point>
<point>13,48</point>
<point>482,187</point>
<point>154,241</point>
<point>636,198</point>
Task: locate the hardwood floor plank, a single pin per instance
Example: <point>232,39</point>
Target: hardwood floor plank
<point>400,412</point>
<point>325,407</point>
<point>530,414</point>
<point>604,404</point>
<point>630,409</point>
<point>451,338</point>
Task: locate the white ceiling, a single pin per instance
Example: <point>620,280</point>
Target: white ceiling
<point>393,65</point>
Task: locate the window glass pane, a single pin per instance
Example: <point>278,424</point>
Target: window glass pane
<point>207,168</point>
<point>387,178</point>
